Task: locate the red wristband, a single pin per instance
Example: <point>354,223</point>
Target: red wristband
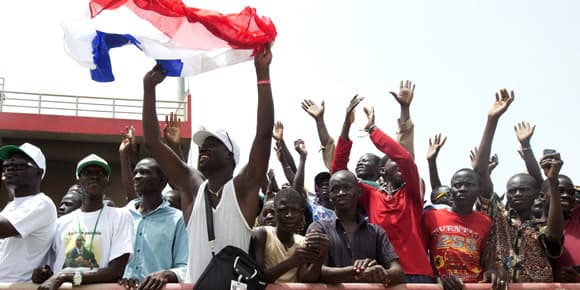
<point>263,82</point>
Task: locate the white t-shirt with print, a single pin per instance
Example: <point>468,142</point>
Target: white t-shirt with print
<point>34,217</point>
<point>112,238</point>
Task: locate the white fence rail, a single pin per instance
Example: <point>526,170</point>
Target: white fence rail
<point>83,106</point>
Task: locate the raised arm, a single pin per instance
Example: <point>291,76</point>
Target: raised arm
<point>493,161</point>
<point>434,148</point>
<point>552,164</point>
<point>395,152</point>
<point>326,143</point>
<point>184,178</point>
<point>503,99</point>
<point>406,130</point>
<point>349,118</point>
<point>125,149</point>
<point>524,133</point>
<point>344,144</point>
<point>247,182</point>
<point>272,188</point>
<point>172,134</point>
<point>298,183</point>
<point>278,135</point>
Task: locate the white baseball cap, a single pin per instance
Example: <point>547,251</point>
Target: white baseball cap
<point>222,135</point>
<point>93,159</point>
<point>27,149</point>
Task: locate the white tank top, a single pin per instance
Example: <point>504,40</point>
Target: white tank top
<point>230,228</point>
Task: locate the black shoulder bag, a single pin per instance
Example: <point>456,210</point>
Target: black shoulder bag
<point>230,264</point>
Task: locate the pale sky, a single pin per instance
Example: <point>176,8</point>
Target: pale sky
<point>459,53</point>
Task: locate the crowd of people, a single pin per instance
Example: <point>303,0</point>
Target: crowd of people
<point>368,224</point>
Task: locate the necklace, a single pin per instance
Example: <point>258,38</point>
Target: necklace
<point>217,193</point>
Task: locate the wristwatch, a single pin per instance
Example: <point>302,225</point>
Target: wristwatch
<point>77,278</point>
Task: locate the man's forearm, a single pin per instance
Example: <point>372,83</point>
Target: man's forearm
<point>345,130</point>
<point>555,226</point>
<point>405,113</point>
<point>336,275</point>
<point>298,183</point>
<point>322,131</point>
<point>433,174</point>
<point>531,163</point>
<point>406,135</point>
<point>127,176</point>
<point>287,156</point>
<point>484,151</point>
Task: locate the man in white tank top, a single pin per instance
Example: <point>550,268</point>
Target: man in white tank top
<point>234,199</point>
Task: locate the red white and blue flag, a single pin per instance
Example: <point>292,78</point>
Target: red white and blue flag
<point>186,41</point>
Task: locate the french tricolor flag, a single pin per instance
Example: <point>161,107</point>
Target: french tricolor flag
<point>186,41</point>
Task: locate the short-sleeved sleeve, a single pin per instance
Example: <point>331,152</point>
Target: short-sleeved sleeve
<point>30,216</point>
<point>552,250</point>
<point>122,238</point>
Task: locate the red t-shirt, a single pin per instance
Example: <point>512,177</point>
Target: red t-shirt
<point>400,214</point>
<point>571,254</point>
<point>456,242</point>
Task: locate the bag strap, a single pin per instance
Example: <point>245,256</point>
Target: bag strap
<point>209,220</point>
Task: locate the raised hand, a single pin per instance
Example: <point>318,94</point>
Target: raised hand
<point>128,141</point>
<point>351,106</point>
<point>524,132</point>
<point>278,134</point>
<point>271,174</point>
<point>370,112</point>
<point>493,162</point>
<point>503,99</point>
<point>263,58</point>
<point>406,92</point>
<point>313,109</point>
<point>551,164</point>
<point>434,146</point>
<point>172,129</point>
<point>300,147</point>
<point>473,156</point>
<point>154,76</point>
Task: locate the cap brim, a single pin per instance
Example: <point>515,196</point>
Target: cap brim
<point>94,162</point>
<point>9,150</point>
<point>200,136</point>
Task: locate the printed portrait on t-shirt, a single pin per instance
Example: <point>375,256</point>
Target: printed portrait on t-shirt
<point>82,250</point>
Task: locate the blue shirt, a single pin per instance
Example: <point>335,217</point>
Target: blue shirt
<point>160,242</point>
